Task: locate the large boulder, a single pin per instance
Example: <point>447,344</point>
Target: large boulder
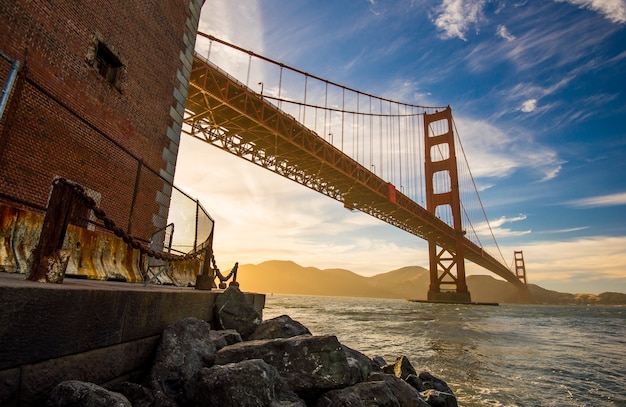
<point>406,394</point>
<point>362,394</point>
<point>308,363</point>
<point>74,393</point>
<point>436,398</point>
<point>185,348</point>
<point>432,382</point>
<point>360,365</point>
<point>416,382</point>
<point>380,390</point>
<point>279,327</point>
<point>232,311</point>
<point>438,392</point>
<point>249,383</point>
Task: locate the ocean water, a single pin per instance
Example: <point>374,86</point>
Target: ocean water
<point>507,355</point>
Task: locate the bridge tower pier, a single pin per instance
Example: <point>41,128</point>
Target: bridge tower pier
<point>447,264</point>
<point>520,273</point>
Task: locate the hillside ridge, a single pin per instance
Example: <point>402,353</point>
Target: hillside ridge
<point>410,282</point>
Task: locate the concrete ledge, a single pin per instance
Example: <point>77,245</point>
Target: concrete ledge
<point>55,332</point>
<point>41,321</point>
<point>97,366</point>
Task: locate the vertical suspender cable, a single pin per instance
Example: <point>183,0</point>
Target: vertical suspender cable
<point>357,126</point>
<point>248,76</point>
<point>326,111</point>
<point>371,136</point>
<point>419,166</point>
<point>343,111</point>
<point>280,85</point>
<point>391,145</point>
<point>304,106</point>
<point>380,138</point>
<point>400,150</point>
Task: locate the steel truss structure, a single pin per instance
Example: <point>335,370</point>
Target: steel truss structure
<point>223,112</point>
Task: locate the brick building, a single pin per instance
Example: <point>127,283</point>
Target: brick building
<point>98,100</point>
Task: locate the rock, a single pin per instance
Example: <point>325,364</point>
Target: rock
<point>279,327</point>
<point>248,383</point>
<point>379,362</point>
<point>438,392</point>
<point>436,398</point>
<point>415,382</point>
<point>184,349</point>
<point>362,394</point>
<point>308,363</point>
<point>137,395</point>
<point>360,365</point>
<point>73,393</point>
<point>404,392</point>
<point>431,382</point>
<point>380,390</point>
<point>402,368</point>
<point>224,338</point>
<point>233,312</point>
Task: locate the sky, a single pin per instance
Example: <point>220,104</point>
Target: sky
<point>538,93</point>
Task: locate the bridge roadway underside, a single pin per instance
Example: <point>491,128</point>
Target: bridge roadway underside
<point>225,113</point>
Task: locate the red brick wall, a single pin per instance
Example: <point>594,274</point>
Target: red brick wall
<point>69,121</point>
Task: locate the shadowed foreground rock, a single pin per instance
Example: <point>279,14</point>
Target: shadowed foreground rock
<point>379,390</point>
<point>74,393</point>
<point>248,383</point>
<point>233,312</point>
<point>279,327</point>
<point>198,366</point>
<point>308,363</point>
<point>185,348</point>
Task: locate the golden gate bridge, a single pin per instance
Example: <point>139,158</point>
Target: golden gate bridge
<point>396,161</point>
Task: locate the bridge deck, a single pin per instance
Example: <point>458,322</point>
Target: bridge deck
<point>225,113</point>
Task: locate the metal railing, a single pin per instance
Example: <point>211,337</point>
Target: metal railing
<point>125,203</point>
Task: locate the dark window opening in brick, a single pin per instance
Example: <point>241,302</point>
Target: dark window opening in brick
<point>107,63</point>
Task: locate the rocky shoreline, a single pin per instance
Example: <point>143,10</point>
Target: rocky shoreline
<point>249,362</point>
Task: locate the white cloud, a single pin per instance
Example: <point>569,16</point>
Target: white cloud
<point>569,230</point>
<point>529,106</point>
<point>492,152</point>
<point>455,17</point>
<point>503,32</point>
<point>600,201</point>
<point>613,10</point>
<point>484,230</point>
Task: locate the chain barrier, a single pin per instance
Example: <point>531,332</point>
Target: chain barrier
<point>219,274</point>
<point>109,224</point>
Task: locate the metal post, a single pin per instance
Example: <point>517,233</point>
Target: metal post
<point>6,91</point>
<point>135,192</point>
<point>48,254</point>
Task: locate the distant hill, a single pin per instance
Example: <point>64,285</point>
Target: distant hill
<point>287,277</point>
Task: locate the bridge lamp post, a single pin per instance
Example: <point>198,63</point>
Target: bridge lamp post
<point>261,84</point>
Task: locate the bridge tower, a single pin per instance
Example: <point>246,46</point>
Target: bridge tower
<point>520,273</point>
<point>447,264</point>
<point>520,267</point>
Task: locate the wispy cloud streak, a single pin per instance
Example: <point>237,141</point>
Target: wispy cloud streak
<point>600,201</point>
<point>612,10</point>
